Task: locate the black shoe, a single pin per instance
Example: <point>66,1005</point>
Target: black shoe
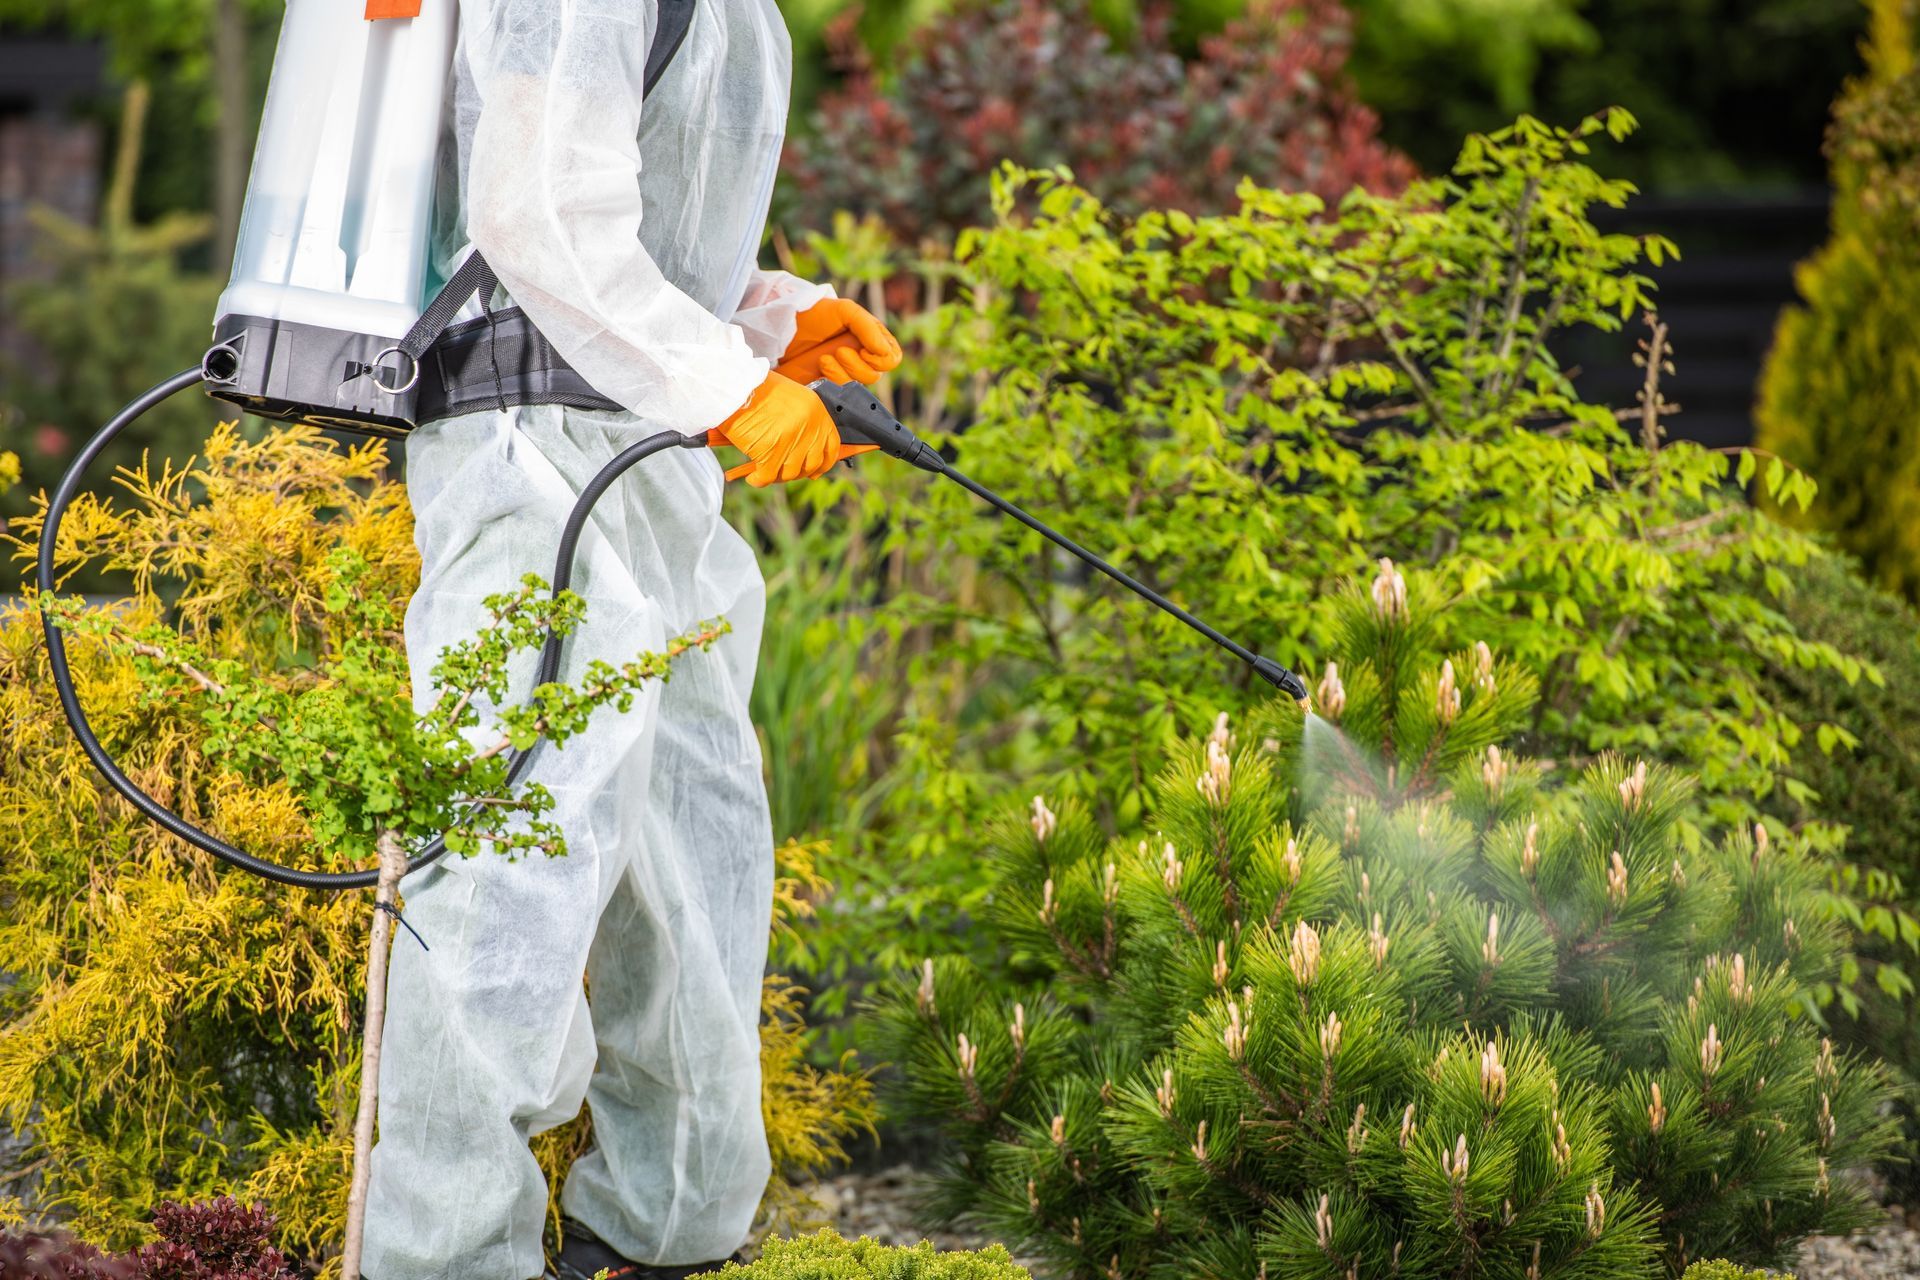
<point>585,1255</point>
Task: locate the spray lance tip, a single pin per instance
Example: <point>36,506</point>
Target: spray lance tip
<point>1284,680</point>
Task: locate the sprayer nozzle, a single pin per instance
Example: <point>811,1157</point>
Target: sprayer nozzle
<point>1282,679</point>
<point>862,419</point>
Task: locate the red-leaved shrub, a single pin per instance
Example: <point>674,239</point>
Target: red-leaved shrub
<point>213,1240</point>
<point>1040,82</point>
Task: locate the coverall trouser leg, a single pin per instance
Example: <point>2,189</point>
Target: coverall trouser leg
<point>661,902</point>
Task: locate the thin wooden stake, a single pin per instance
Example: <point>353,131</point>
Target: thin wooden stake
<point>393,865</point>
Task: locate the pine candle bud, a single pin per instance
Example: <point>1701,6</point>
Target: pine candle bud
<point>1711,1050</point>
<point>1482,667</point>
<point>1455,1166</point>
<point>1533,1268</point>
<point>1824,1124</point>
<point>1493,1075</point>
<point>1018,1027</point>
<point>1330,1036</point>
<point>1059,1131</point>
<point>1357,1131</point>
<point>1303,953</point>
<point>1737,985</point>
<point>1049,909</point>
<point>1656,1111</point>
<point>1330,699</point>
<point>1389,592</point>
<point>1221,736</point>
<point>1490,949</point>
<point>1558,1146</point>
<point>1824,1067</point>
<point>1350,836</point>
<point>1323,1223</point>
<point>1596,1211</point>
<point>924,997</point>
<point>1530,851</point>
<point>1235,1035</point>
<point>1446,698</point>
<point>1617,881</point>
<point>1110,885</point>
<point>1200,1143</point>
<point>1290,862</point>
<point>1678,875</point>
<point>1493,771</point>
<point>969,1056</point>
<point>1043,820</point>
<point>1171,867</point>
<point>1377,942</point>
<point>1761,841</point>
<point>1033,1197</point>
<point>1407,1127</point>
<point>1366,888</point>
<point>1633,788</point>
<point>1221,970</point>
<point>1790,936</point>
<point>1164,1095</point>
<point>1216,780</point>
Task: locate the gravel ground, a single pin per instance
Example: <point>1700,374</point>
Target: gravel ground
<point>881,1205</point>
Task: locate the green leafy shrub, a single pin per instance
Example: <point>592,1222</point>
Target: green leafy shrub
<point>1721,1269</point>
<point>1043,84</point>
<point>1245,409</point>
<point>171,1032</point>
<point>1841,392</point>
<point>828,1257</point>
<point>1372,997</point>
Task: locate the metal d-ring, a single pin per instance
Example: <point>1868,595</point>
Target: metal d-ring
<point>412,380</point>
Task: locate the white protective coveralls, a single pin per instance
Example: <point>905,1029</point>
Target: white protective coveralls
<point>628,233</point>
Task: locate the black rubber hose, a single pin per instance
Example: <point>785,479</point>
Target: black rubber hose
<point>550,652</point>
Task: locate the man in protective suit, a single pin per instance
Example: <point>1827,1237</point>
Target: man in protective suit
<point>627,230</point>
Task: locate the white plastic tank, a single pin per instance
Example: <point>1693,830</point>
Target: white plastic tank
<point>334,231</point>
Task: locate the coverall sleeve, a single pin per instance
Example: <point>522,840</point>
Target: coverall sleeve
<point>553,201</point>
<point>770,309</point>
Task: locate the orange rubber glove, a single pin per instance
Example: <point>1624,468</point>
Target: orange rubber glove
<point>839,340</point>
<point>787,432</point>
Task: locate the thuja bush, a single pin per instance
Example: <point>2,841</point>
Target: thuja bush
<point>1043,83</point>
<point>170,1031</point>
<point>1370,996</point>
<point>1841,392</point>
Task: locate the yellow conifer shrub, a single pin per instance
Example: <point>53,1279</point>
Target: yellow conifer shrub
<point>173,1031</point>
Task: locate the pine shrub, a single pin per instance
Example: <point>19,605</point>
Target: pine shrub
<point>826,1256</point>
<point>169,1031</point>
<point>1370,996</point>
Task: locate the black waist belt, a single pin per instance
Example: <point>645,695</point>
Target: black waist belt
<point>494,362</point>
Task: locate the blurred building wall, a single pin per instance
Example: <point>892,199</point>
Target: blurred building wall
<point>48,155</point>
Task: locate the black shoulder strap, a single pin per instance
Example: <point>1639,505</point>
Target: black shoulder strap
<point>675,20</point>
<point>474,276</point>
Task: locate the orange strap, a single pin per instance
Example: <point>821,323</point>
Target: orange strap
<point>377,9</point>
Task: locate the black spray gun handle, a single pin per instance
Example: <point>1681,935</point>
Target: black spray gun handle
<point>862,419</point>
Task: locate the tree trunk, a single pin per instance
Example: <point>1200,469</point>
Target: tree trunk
<point>393,864</point>
<point>233,126</point>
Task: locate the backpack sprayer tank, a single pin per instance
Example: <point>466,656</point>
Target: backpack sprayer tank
<point>331,266</point>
